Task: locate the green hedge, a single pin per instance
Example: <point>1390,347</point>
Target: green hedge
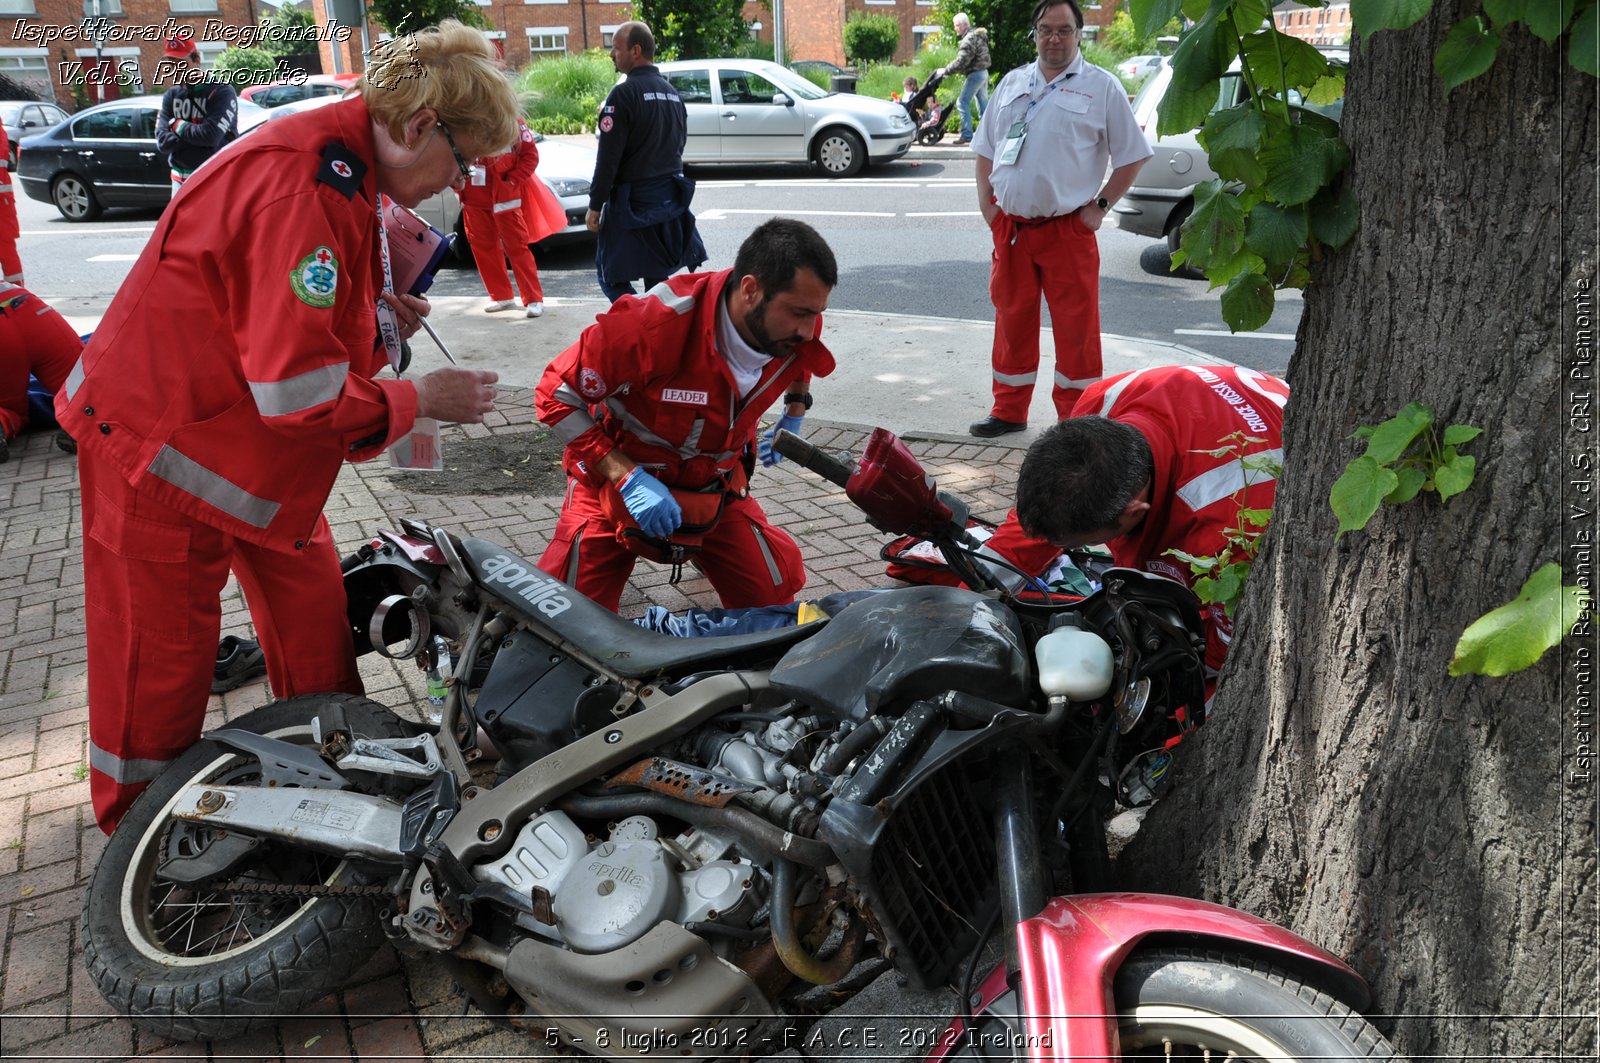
<point>563,93</point>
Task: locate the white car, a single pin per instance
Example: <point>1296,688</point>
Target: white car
<point>1139,67</point>
<point>751,110</point>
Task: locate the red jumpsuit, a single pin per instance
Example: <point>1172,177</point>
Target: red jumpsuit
<point>496,224</point>
<point>10,229</point>
<point>228,382</point>
<point>33,339</point>
<point>1183,412</point>
<point>647,378</point>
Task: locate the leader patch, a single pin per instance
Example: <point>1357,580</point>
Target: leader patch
<point>316,279</point>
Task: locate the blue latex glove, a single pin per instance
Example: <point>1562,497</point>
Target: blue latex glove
<point>651,504</point>
<point>787,423</point>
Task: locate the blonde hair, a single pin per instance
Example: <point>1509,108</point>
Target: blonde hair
<point>451,68</point>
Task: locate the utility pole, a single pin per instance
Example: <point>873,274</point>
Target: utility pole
<point>777,31</point>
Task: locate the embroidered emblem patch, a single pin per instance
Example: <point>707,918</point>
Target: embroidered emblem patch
<point>606,124</point>
<point>316,278</point>
<point>341,168</point>
<point>590,384</point>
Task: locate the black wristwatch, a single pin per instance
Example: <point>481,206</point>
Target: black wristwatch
<point>798,396</point>
<point>1102,202</point>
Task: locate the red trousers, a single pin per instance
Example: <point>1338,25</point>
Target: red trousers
<point>10,261</point>
<point>1060,259</point>
<point>33,339</point>
<point>748,560</point>
<point>152,577</point>
<point>495,237</point>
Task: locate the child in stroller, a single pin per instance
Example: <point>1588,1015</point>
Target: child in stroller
<point>925,109</point>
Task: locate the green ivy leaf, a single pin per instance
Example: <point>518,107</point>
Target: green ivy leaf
<point>1195,10</point>
<point>1275,233</point>
<point>1454,476</point>
<point>1468,50</point>
<point>1299,163</point>
<point>1247,302</point>
<point>1203,54</point>
<point>1183,109</point>
<point>1504,12</point>
<point>1358,493</point>
<point>1198,564</point>
<point>1548,20</point>
<point>1457,434</point>
<point>1364,432</point>
<point>1150,15</point>
<point>1297,276</point>
<point>1515,635</point>
<point>1215,229</point>
<point>1258,517</point>
<point>1390,439</point>
<point>1327,89</point>
<point>1233,128</point>
<point>1370,16</point>
<point>1220,271</point>
<point>1411,482</point>
<point>1302,63</point>
<point>1335,215</point>
<point>1230,582</point>
<point>1205,588</point>
<point>1584,51</point>
<point>1248,15</point>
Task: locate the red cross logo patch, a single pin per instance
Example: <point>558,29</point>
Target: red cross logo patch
<point>341,168</point>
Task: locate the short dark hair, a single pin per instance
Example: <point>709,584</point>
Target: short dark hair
<point>1079,475</point>
<point>778,249</point>
<point>1045,5</point>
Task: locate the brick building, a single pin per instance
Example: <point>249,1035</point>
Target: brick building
<point>1323,25</point>
<point>84,51</point>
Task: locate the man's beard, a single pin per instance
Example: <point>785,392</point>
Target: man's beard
<point>756,321</point>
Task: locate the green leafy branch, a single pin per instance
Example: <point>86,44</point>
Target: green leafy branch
<point>1221,576</point>
<point>1405,455</point>
<point>1279,203</point>
<point>1517,634</point>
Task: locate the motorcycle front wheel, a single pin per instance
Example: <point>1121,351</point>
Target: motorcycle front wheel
<point>218,960</point>
<point>1196,1004</point>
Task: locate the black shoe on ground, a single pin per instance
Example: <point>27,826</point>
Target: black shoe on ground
<point>238,661</point>
<point>66,442</point>
<point>992,426</point>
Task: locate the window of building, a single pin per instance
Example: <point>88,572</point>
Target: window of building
<point>546,39</point>
<point>607,35</point>
<point>17,7</point>
<point>29,67</point>
<point>192,7</point>
<point>102,8</point>
<point>922,35</point>
<point>754,29</point>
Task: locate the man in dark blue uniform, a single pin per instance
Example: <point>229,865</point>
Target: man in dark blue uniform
<point>639,199</point>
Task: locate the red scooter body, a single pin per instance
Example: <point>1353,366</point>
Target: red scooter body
<point>1069,955</point>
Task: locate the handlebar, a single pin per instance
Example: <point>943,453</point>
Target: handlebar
<point>818,461</point>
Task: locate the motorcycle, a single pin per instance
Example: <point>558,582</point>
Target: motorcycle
<point>678,837</point>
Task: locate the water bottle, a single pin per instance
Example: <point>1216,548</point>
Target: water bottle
<point>436,679</point>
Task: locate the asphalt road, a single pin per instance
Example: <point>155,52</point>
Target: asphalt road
<point>908,237</point>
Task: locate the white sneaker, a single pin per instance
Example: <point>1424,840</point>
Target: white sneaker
<point>497,305</point>
<point>535,310</point>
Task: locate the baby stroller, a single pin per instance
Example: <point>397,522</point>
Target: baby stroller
<point>928,113</point>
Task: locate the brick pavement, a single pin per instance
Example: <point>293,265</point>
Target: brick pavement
<point>397,1007</point>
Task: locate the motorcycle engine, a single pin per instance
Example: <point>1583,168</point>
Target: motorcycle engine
<point>607,895</point>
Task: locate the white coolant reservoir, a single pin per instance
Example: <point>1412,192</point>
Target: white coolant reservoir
<point>1074,664</point>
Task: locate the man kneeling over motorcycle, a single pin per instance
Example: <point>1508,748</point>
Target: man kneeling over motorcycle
<point>658,403</point>
<point>1151,461</point>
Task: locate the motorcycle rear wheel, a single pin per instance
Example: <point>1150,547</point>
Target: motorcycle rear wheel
<point>1199,1004</point>
<point>195,963</point>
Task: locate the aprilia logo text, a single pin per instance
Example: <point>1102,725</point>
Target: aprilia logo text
<point>531,585</point>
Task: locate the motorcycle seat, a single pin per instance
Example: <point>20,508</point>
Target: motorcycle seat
<point>620,645</point>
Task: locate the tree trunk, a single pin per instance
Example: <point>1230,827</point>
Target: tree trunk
<point>1437,833</point>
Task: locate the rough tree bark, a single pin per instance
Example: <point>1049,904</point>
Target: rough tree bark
<point>1438,833</point>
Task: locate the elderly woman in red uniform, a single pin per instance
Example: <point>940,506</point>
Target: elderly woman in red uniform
<point>10,230</point>
<point>233,374</point>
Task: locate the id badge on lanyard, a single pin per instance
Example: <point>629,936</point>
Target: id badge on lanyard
<point>1013,143</point>
<point>388,322</point>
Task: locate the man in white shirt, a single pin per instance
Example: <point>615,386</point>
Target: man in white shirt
<point>1043,148</point>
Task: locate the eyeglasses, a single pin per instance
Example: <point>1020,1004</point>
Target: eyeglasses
<point>1055,34</point>
<point>466,170</point>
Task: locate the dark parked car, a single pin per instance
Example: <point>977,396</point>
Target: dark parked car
<point>105,157</point>
<point>24,118</point>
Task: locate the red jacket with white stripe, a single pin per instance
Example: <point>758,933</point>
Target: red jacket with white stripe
<point>646,377</point>
<point>506,175</point>
<point>9,228</point>
<point>232,374</point>
<point>1184,412</point>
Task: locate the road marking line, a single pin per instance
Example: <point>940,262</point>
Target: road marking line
<point>1233,335</point>
<point>942,213</point>
<point>81,232</point>
<point>112,258</point>
<point>721,213</point>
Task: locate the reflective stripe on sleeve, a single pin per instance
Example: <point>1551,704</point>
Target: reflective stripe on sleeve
<point>1226,480</point>
<point>766,553</point>
<point>279,398</point>
<point>510,204</point>
<point>663,293</point>
<point>186,474</point>
<point>1066,383</point>
<point>1114,392</point>
<point>123,772</point>
<point>75,378</point>
<point>1015,380</point>
<point>572,425</point>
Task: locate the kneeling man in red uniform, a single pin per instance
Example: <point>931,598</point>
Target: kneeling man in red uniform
<point>1137,467</point>
<point>659,401</point>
